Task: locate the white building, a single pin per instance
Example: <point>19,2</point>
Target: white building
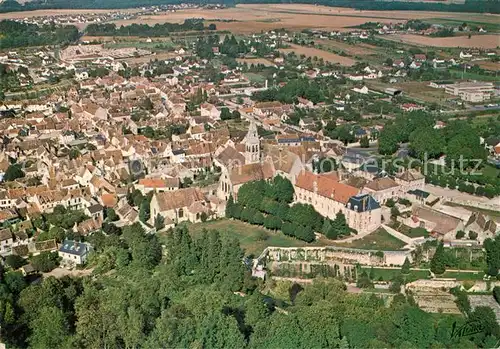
<point>74,252</point>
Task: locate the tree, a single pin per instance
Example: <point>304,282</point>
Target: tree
<point>225,114</point>
<point>340,225</point>
<point>472,235</point>
<point>159,222</point>
<point>282,189</point>
<point>14,261</point>
<point>13,172</point>
<point>258,218</point>
<point>144,212</point>
<point>395,212</point>
<point>49,327</point>
<point>496,293</point>
<point>405,269</point>
<point>111,214</point>
<point>438,261</point>
<point>230,207</point>
<point>74,153</point>
<point>45,261</point>
<point>460,234</point>
<point>148,104</point>
<point>364,142</point>
<point>397,282</point>
<point>426,142</point>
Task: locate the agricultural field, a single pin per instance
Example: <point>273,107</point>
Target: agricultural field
<point>489,65</point>
<point>418,90</point>
<point>327,56</point>
<point>253,18</point>
<point>352,50</point>
<point>435,301</point>
<point>488,41</point>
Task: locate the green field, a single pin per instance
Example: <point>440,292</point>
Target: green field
<point>256,78</point>
<point>378,240</point>
<point>455,22</point>
<point>382,274</point>
<point>465,275</point>
<point>490,171</point>
<point>472,76</point>
<point>251,237</point>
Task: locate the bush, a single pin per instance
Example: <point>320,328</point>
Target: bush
<point>272,222</point>
<point>288,229</point>
<point>305,233</point>
<point>496,293</point>
<point>472,235</point>
<point>45,261</point>
<point>258,218</point>
<point>460,234</point>
<point>15,261</point>
<point>390,203</point>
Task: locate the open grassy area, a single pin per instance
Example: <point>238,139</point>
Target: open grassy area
<point>253,239</point>
<point>383,274</point>
<point>378,240</point>
<point>256,78</point>
<point>411,232</point>
<point>463,275</point>
<point>490,171</point>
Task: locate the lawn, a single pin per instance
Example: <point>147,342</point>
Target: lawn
<point>490,171</point>
<point>416,232</point>
<point>383,274</point>
<point>256,78</point>
<point>463,275</point>
<point>253,239</point>
<point>378,240</point>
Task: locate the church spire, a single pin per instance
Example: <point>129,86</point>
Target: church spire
<point>252,144</point>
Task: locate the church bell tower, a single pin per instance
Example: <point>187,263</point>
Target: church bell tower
<point>252,145</point>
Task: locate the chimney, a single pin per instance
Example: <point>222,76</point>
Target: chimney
<point>315,186</point>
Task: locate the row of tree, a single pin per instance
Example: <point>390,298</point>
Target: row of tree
<point>268,204</point>
<point>110,29</point>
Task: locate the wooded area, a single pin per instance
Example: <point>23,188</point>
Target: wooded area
<point>185,297</point>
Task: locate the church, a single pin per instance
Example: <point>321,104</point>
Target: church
<point>238,169</point>
<point>244,162</point>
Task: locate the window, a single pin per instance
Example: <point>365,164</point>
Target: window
<point>180,213</point>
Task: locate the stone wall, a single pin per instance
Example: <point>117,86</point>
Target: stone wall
<point>330,255</point>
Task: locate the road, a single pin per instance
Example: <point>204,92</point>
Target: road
<point>60,272</point>
<point>453,194</point>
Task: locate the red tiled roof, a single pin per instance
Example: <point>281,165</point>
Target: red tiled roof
<point>326,186</point>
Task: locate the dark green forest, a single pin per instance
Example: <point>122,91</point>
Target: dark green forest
<point>198,293</point>
<point>15,34</point>
<point>480,6</point>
